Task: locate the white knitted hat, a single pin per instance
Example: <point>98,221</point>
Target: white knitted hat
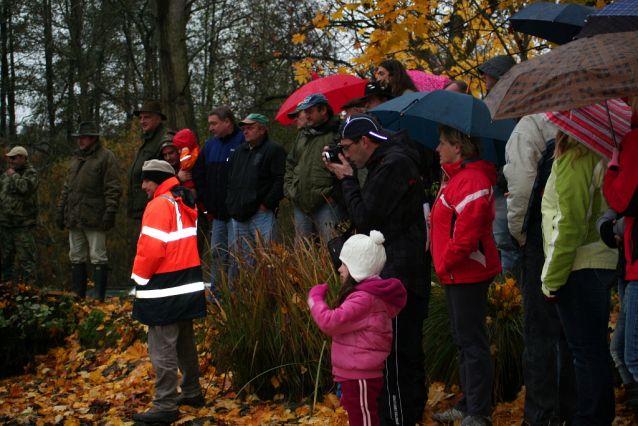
<point>364,256</point>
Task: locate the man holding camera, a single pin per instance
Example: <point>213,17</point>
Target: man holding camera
<point>307,183</point>
<point>392,202</point>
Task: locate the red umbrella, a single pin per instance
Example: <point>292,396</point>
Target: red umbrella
<point>595,125</point>
<point>338,88</point>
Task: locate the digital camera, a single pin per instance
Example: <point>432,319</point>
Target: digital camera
<point>332,153</point>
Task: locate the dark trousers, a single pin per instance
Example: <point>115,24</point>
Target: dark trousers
<point>548,364</point>
<point>359,398</point>
<point>584,314</point>
<point>467,306</point>
<point>404,394</point>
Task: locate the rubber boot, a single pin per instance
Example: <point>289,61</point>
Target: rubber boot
<point>79,279</point>
<point>631,391</point>
<point>100,276</point>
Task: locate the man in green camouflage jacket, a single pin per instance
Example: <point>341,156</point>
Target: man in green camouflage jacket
<point>18,216</point>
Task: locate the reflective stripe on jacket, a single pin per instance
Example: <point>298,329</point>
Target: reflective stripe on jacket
<point>167,270</point>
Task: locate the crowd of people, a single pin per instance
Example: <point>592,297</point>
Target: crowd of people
<point>557,213</point>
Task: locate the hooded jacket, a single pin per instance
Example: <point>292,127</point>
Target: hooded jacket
<point>166,270</point>
<point>256,177</point>
<point>92,188</point>
<point>462,245</point>
<point>137,198</point>
<point>621,190</point>
<point>391,201</point>
<point>528,163</point>
<point>186,142</point>
<point>361,327</point>
<point>572,203</point>
<point>308,183</point>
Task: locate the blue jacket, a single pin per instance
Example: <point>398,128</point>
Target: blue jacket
<point>212,171</point>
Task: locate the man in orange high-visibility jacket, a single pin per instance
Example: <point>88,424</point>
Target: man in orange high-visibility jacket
<point>169,292</point>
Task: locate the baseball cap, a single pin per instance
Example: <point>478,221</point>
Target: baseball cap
<point>17,150</point>
<point>291,115</point>
<point>358,125</point>
<point>254,118</point>
<point>311,100</point>
<point>376,88</point>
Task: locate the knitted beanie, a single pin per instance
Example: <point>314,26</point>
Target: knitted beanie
<point>157,171</point>
<point>364,255</point>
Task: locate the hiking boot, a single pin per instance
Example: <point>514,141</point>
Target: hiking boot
<point>476,421</point>
<point>154,415</point>
<point>450,416</point>
<point>193,401</point>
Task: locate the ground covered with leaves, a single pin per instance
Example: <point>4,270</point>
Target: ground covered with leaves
<point>105,385</point>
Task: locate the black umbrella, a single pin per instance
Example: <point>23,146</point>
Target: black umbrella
<point>618,17</point>
<point>558,23</point>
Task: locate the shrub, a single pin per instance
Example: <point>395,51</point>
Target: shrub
<point>31,321</point>
<point>266,335</point>
<point>505,331</point>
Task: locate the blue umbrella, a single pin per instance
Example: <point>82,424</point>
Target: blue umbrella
<point>558,23</point>
<point>422,112</point>
<point>617,17</point>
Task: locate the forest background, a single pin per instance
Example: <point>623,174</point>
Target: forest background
<point>67,61</point>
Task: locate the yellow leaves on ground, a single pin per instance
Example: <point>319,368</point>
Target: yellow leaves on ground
<point>135,352</point>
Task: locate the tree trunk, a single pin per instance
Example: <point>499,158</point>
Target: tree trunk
<point>172,17</point>
<point>4,69</point>
<point>48,64</point>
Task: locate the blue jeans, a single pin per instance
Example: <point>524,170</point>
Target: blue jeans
<point>548,364</point>
<point>631,328</point>
<point>617,346</point>
<point>320,222</point>
<point>221,236</point>
<point>584,307</point>
<point>258,231</point>
<point>502,237</point>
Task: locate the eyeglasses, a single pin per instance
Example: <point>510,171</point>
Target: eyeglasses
<point>346,147</point>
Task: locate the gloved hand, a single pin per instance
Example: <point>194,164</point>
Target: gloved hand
<point>550,295</point>
<point>317,293</point>
<point>108,221</point>
<point>59,220</point>
<point>614,159</point>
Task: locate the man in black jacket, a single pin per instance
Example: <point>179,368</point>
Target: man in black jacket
<point>391,201</point>
<point>255,186</point>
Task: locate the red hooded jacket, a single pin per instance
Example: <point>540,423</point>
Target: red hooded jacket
<point>621,191</point>
<point>462,245</point>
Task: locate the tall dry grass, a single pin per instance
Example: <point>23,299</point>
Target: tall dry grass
<point>266,335</point>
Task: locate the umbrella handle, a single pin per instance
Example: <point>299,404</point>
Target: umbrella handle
<point>611,126</point>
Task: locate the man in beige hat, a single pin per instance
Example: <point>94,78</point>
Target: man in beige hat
<point>88,205</point>
<point>18,216</point>
<point>151,121</point>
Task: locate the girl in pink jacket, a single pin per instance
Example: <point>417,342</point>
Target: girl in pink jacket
<point>360,323</point>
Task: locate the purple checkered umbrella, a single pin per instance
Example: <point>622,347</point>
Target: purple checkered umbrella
<point>580,73</point>
<point>617,17</point>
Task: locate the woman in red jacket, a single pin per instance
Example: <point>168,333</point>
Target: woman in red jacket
<point>621,191</point>
<point>466,261</point>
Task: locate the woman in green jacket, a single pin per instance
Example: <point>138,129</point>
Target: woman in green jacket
<point>578,270</point>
